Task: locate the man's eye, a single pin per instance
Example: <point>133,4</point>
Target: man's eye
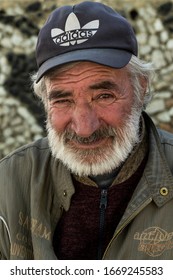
<point>105,96</point>
<point>61,103</point>
<point>105,99</point>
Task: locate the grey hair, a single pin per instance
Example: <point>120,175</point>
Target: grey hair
<point>40,87</point>
<point>137,69</point>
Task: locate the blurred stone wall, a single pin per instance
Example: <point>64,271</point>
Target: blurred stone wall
<point>21,115</point>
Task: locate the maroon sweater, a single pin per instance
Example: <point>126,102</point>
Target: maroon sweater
<point>77,234</point>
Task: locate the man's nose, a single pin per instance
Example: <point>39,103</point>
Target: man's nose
<point>84,120</point>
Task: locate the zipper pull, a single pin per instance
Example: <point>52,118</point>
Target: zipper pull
<point>103,205</point>
<point>103,199</point>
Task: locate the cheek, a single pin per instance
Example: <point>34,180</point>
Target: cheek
<point>116,115</point>
<point>57,120</point>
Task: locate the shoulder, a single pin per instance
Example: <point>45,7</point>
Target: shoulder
<point>162,139</point>
<point>29,160</point>
<point>166,138</point>
<point>28,151</point>
<point>39,145</point>
<point>21,171</point>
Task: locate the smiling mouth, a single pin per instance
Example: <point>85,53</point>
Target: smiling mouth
<point>90,144</point>
<point>98,138</point>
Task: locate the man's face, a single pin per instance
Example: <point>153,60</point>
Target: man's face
<point>93,120</point>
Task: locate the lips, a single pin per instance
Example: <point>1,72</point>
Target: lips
<point>97,136</point>
<point>88,144</point>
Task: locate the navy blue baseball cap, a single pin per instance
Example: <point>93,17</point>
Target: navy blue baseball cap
<point>89,31</point>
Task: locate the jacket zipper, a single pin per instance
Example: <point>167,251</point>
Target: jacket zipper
<point>126,223</point>
<point>103,206</point>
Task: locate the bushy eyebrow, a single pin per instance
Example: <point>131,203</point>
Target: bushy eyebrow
<point>97,86</point>
<point>58,94</point>
<point>105,85</point>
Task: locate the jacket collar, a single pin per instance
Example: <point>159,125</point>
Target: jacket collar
<point>63,185</point>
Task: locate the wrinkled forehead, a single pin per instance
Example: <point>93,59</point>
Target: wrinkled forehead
<point>87,76</point>
<point>55,72</point>
<point>60,69</point>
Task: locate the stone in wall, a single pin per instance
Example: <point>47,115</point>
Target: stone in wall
<point>154,28</point>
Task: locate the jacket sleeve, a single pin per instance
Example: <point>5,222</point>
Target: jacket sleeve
<point>4,240</point>
<point>13,169</point>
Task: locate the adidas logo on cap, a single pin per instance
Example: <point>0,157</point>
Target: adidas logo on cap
<point>74,33</point>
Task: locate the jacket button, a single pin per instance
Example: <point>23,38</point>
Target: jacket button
<point>65,193</point>
<point>164,191</point>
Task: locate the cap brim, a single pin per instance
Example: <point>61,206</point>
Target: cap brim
<point>109,57</point>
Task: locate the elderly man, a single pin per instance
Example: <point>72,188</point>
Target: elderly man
<point>100,185</point>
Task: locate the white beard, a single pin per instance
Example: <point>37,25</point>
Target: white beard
<point>100,160</point>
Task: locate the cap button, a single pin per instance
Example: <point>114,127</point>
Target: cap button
<point>164,191</point>
<point>65,193</point>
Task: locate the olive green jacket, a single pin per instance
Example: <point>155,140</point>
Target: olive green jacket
<point>35,189</point>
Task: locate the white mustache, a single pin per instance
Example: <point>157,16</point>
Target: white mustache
<point>97,135</point>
